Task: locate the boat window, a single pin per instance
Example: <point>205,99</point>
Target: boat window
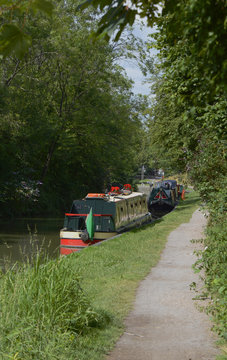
<point>107,223</point>
<point>72,223</point>
<point>118,217</point>
<point>81,224</point>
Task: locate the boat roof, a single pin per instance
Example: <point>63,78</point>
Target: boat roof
<point>119,197</point>
<point>164,183</point>
<point>102,205</point>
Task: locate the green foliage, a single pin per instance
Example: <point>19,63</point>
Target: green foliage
<point>13,16</point>
<point>118,15</point>
<point>188,123</point>
<point>204,33</point>
<point>67,116</point>
<point>192,23</point>
<point>44,6</point>
<point>214,257</point>
<point>13,40</point>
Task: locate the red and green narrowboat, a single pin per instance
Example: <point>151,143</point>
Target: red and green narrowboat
<point>101,216</point>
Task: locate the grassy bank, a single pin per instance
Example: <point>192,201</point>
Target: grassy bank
<point>74,308</point>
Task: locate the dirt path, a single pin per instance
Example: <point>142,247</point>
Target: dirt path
<point>165,324</point>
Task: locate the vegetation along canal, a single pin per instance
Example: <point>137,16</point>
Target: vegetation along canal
<point>20,238</point>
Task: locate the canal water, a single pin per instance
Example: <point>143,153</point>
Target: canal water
<point>21,238</point>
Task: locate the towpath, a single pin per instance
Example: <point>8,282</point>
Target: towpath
<point>165,323</point>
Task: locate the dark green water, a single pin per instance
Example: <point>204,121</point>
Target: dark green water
<point>22,237</point>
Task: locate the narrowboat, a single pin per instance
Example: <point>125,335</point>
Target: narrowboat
<point>100,216</point>
<point>165,195</point>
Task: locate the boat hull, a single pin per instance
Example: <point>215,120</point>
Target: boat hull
<point>71,241</point>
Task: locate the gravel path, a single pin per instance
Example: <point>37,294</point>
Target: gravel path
<point>165,324</point>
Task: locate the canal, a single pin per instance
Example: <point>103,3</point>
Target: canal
<point>20,238</point>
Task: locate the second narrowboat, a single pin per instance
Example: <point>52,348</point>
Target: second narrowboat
<point>164,195</point>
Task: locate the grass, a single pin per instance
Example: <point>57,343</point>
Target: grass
<point>223,346</point>
<point>74,308</point>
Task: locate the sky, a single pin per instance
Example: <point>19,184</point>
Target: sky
<point>141,84</point>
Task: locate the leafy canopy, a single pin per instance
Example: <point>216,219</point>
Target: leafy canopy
<point>13,16</point>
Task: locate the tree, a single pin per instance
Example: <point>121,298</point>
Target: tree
<point>13,16</point>
<point>188,123</point>
<point>192,21</point>
<point>184,89</point>
<point>68,114</point>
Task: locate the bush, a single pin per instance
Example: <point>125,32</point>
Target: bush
<point>213,259</point>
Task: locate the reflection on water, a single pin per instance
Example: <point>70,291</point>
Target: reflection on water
<point>18,238</point>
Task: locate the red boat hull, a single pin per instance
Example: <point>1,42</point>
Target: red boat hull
<point>70,245</point>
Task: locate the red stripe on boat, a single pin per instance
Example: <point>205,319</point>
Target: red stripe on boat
<point>77,242</point>
<point>88,214</point>
<point>67,251</point>
<point>73,242</point>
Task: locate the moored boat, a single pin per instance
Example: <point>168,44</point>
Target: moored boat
<point>101,216</point>
<point>165,194</point>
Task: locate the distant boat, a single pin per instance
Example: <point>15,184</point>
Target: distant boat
<point>165,194</point>
<point>101,216</point>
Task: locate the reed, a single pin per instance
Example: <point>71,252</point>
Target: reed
<point>42,306</point>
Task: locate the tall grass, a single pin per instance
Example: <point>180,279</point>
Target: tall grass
<point>42,309</point>
<point>45,314</point>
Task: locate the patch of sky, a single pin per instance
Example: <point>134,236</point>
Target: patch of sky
<point>141,83</point>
